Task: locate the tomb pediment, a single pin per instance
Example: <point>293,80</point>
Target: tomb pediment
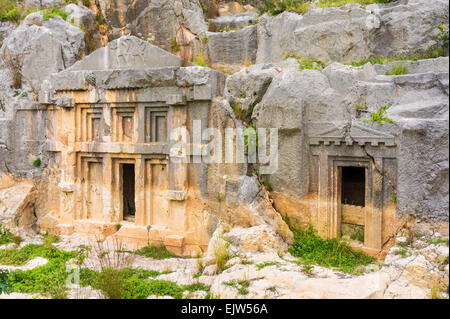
<point>328,133</point>
<point>127,52</point>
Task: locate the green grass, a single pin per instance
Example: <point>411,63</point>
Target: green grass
<point>274,7</point>
<point>398,69</point>
<point>200,60</point>
<point>54,12</point>
<point>306,63</point>
<point>50,279</point>
<point>9,11</point>
<point>152,251</point>
<point>437,241</point>
<point>403,251</point>
<point>240,284</point>
<point>174,46</point>
<point>135,284</point>
<point>431,53</point>
<point>267,264</point>
<point>18,257</point>
<point>6,236</point>
<point>333,253</point>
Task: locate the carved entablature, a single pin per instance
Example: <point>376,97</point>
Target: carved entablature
<point>357,134</point>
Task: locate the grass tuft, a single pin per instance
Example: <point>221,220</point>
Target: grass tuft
<point>334,253</point>
<point>153,251</point>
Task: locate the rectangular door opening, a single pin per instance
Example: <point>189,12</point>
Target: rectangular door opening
<point>353,202</point>
<point>128,181</point>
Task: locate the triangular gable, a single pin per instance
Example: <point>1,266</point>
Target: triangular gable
<point>127,52</point>
<point>329,133</point>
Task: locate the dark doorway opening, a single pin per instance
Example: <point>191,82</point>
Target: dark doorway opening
<point>128,178</point>
<point>353,186</point>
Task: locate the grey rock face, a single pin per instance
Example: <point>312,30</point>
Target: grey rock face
<point>47,46</point>
<point>234,21</point>
<point>342,34</point>
<point>300,103</point>
<point>5,29</point>
<point>421,114</point>
<point>248,86</point>
<point>233,47</point>
<point>160,18</point>
<point>82,16</point>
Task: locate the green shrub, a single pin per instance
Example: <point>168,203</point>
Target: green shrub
<point>152,251</point>
<point>9,11</point>
<point>48,279</point>
<point>443,35</point>
<point>311,248</point>
<point>129,283</point>
<point>4,282</point>
<point>17,257</point>
<point>6,236</point>
<point>37,162</point>
<point>53,12</point>
<point>380,116</point>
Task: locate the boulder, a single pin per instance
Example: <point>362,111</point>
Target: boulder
<point>47,46</point>
<point>86,19</point>
<point>17,207</point>
<point>247,87</point>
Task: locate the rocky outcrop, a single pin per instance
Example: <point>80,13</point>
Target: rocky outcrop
<point>86,19</point>
<point>347,96</point>
<point>344,34</point>
<point>159,19</point>
<point>46,46</point>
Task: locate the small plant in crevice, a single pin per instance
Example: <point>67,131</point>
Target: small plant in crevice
<point>6,236</point>
<point>221,253</point>
<point>37,162</point>
<point>266,183</point>
<point>14,63</point>
<point>307,268</point>
<point>267,264</point>
<point>174,46</point>
<point>443,36</point>
<point>397,69</point>
<point>380,116</point>
<point>240,284</point>
<point>306,63</point>
<point>200,60</point>
<point>361,106</point>
<point>153,251</point>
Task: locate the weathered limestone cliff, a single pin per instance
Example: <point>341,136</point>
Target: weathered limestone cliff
<point>115,118</point>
